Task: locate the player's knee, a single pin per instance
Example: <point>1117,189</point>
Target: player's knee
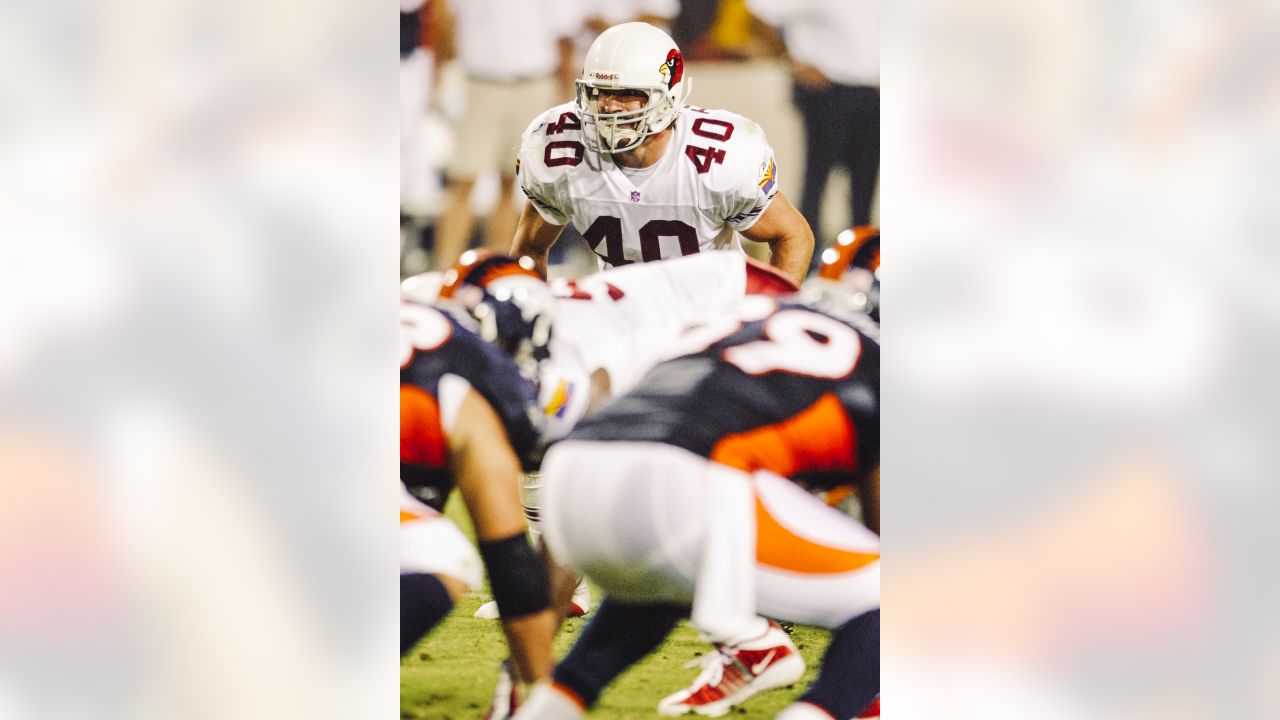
<point>453,586</point>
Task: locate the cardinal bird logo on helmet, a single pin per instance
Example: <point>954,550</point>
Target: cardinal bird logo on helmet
<point>673,68</point>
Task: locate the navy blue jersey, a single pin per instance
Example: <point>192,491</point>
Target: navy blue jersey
<point>776,386</point>
<point>435,346</point>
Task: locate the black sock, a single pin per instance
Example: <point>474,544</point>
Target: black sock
<point>617,636</point>
<point>850,676</point>
<point>424,601</point>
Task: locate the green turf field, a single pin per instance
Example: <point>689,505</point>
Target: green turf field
<point>450,675</point>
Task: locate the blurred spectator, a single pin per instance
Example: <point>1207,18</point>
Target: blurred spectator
<point>724,30</point>
<point>600,15</point>
<point>423,26</point>
<point>517,58</point>
<point>835,50</point>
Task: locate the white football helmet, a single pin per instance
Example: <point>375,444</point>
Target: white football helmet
<point>630,56</point>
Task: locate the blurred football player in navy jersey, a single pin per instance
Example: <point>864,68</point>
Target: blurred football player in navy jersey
<point>467,416</point>
<point>689,494</point>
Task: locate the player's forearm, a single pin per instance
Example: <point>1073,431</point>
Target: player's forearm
<point>534,253</point>
<point>534,238</point>
<point>790,253</point>
<point>529,638</point>
<point>788,236</point>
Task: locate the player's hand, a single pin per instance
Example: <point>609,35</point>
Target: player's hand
<point>810,77</point>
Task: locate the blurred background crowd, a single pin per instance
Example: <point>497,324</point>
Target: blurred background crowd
<point>474,74</point>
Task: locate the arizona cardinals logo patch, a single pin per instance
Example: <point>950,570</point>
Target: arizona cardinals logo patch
<point>673,68</point>
<point>769,176</point>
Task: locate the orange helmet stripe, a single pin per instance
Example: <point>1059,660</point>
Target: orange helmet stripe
<point>864,239</point>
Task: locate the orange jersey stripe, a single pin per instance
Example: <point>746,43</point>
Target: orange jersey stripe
<point>819,437</point>
<point>422,440</point>
<point>778,547</point>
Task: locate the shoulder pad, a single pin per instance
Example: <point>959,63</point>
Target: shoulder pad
<point>551,142</point>
<point>741,139</point>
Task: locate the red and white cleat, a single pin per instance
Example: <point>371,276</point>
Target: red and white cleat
<point>730,675</point>
<point>506,695</point>
<point>580,604</point>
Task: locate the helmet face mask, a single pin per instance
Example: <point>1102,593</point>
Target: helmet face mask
<point>854,298</point>
<point>621,131</point>
<point>850,271</point>
<point>635,57</point>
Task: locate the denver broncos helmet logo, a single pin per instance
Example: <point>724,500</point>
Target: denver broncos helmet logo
<point>673,68</point>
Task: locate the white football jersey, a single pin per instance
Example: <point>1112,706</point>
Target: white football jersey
<point>717,175</point>
<point>623,320</point>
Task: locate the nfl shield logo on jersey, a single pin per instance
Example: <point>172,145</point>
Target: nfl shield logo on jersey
<point>635,196</point>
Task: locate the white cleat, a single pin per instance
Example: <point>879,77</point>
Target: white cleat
<point>506,695</point>
<point>581,603</point>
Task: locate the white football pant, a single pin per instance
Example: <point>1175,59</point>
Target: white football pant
<point>652,523</point>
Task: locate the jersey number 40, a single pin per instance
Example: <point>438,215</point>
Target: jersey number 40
<point>570,152</point>
<point>607,231</point>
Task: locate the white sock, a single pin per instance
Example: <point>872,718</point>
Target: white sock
<point>724,595</point>
<point>548,703</point>
<point>755,630</point>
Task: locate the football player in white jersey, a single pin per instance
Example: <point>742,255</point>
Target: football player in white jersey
<point>644,177</point>
<point>610,328</point>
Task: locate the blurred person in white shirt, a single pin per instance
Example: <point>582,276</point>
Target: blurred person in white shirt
<point>835,51</point>
<point>600,15</point>
<point>517,57</point>
<point>422,24</point>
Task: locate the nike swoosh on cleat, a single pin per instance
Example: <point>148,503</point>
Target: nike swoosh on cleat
<point>759,667</point>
